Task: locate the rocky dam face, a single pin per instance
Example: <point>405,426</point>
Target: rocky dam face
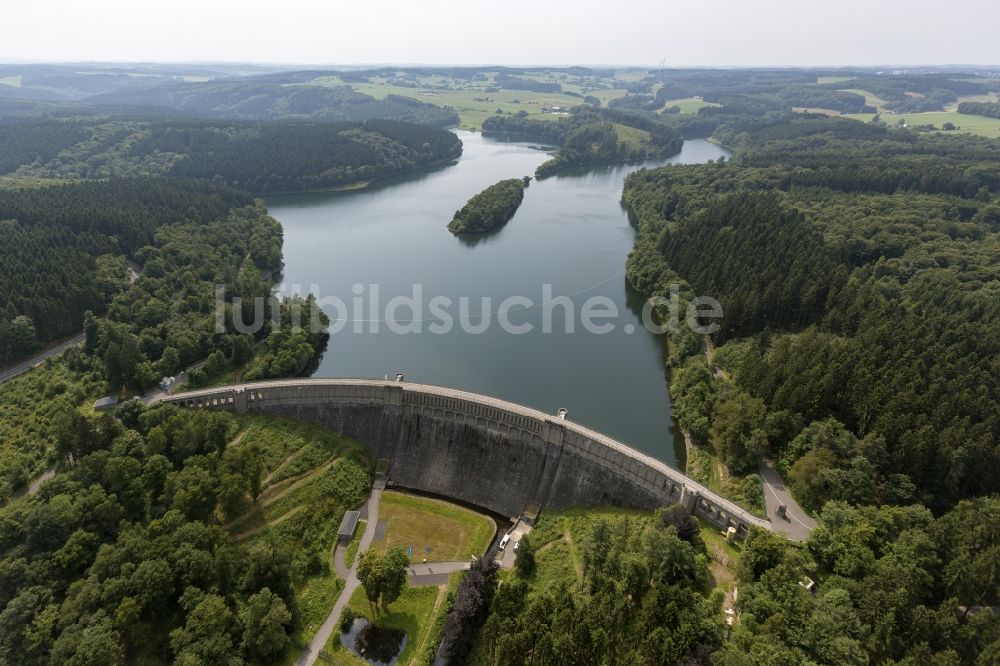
<point>487,452</point>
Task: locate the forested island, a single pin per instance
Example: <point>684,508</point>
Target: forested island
<point>489,209</point>
<point>261,158</point>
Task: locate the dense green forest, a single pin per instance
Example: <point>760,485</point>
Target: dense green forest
<point>892,585</point>
<point>163,322</point>
<point>65,246</point>
<point>988,109</point>
<point>261,158</point>
<point>264,100</point>
<point>125,556</point>
<point>642,595</point>
<point>489,209</point>
<point>859,285</point>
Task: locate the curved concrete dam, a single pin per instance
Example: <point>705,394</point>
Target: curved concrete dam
<point>487,452</point>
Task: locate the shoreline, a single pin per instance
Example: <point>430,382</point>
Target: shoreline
<point>359,185</point>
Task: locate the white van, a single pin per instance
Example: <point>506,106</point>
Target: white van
<point>504,541</point>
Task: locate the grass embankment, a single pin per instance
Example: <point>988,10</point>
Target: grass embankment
<point>311,475</point>
<point>451,532</point>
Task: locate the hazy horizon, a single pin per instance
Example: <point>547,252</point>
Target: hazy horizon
<point>643,33</point>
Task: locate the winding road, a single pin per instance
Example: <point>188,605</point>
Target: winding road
<point>798,524</point>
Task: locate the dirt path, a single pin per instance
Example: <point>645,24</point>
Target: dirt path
<point>239,438</point>
<point>277,521</point>
<point>298,483</point>
<point>301,481</point>
<point>281,463</point>
<point>577,565</point>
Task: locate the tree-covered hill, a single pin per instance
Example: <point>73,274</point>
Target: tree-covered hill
<point>263,158</point>
<point>857,271</point>
<point>262,100</point>
<point>592,137</point>
<point>64,247</point>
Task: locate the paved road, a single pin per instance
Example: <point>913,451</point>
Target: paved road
<point>798,524</point>
<point>351,581</point>
<point>24,366</point>
<point>509,554</point>
<point>433,573</point>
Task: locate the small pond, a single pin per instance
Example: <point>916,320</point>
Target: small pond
<point>379,646</point>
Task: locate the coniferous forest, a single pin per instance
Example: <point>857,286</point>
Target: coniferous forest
<point>256,157</point>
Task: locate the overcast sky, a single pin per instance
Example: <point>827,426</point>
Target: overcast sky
<point>684,32</point>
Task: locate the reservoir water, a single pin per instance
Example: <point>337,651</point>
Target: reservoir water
<point>570,232</point>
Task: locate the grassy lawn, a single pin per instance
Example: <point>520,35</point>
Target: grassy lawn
<point>452,532</point>
<point>414,613</point>
<point>979,125</point>
<point>810,109</point>
<point>607,95</point>
<point>870,98</point>
<point>689,105</point>
<point>631,136</point>
<point>988,97</point>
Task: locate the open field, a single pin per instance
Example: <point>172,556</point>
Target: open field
<point>989,97</point>
<point>806,109</point>
<point>870,98</point>
<point>473,106</point>
<point>834,79</point>
<point>14,81</point>
<point>631,136</point>
<point>979,125</point>
<point>689,105</point>
<point>450,531</point>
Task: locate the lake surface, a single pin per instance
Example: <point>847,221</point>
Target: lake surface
<point>570,232</point>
